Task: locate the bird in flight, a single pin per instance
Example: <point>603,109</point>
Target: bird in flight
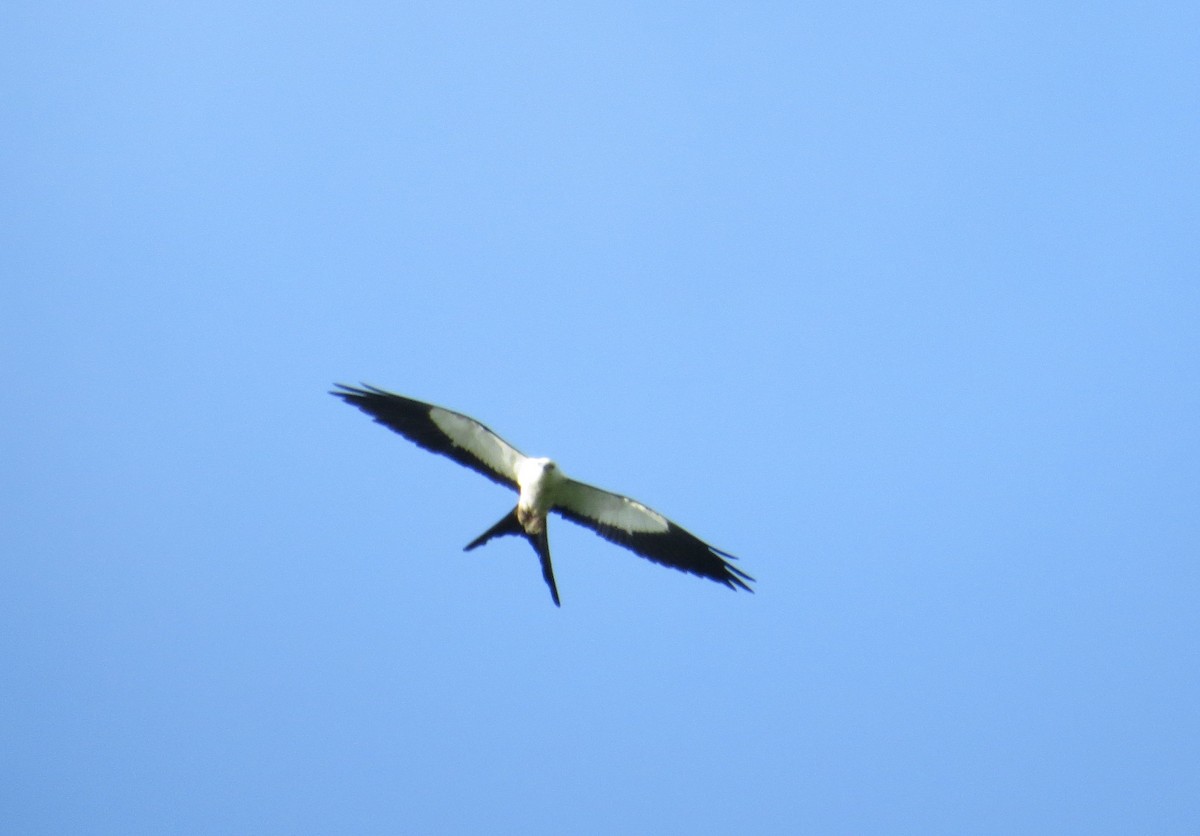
<point>543,488</point>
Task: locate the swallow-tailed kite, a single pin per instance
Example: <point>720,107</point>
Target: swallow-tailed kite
<point>543,488</point>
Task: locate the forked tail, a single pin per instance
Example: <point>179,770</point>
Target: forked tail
<point>509,524</point>
<point>541,545</point>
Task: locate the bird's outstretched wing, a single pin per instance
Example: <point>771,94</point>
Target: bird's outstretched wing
<point>439,430</point>
<point>631,524</point>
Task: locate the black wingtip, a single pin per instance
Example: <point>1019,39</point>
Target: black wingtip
<point>732,576</point>
<point>735,583</point>
<point>349,394</point>
<point>736,578</point>
<point>353,393</point>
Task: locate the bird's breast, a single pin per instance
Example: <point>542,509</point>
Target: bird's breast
<point>537,483</point>
<point>530,520</point>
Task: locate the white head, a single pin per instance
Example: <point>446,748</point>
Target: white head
<point>538,479</point>
<point>538,474</point>
<point>548,468</point>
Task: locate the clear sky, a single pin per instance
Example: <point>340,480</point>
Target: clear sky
<point>899,303</point>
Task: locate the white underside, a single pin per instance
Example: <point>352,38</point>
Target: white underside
<point>542,484</point>
<point>539,480</point>
<point>472,436</point>
<point>611,509</point>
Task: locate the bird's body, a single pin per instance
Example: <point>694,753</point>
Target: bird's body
<point>543,488</point>
<point>539,481</point>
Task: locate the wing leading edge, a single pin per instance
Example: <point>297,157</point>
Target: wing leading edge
<point>438,430</point>
<point>646,532</point>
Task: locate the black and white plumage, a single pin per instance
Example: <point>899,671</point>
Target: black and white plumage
<point>543,488</point>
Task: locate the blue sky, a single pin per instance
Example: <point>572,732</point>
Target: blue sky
<point>898,303</point>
